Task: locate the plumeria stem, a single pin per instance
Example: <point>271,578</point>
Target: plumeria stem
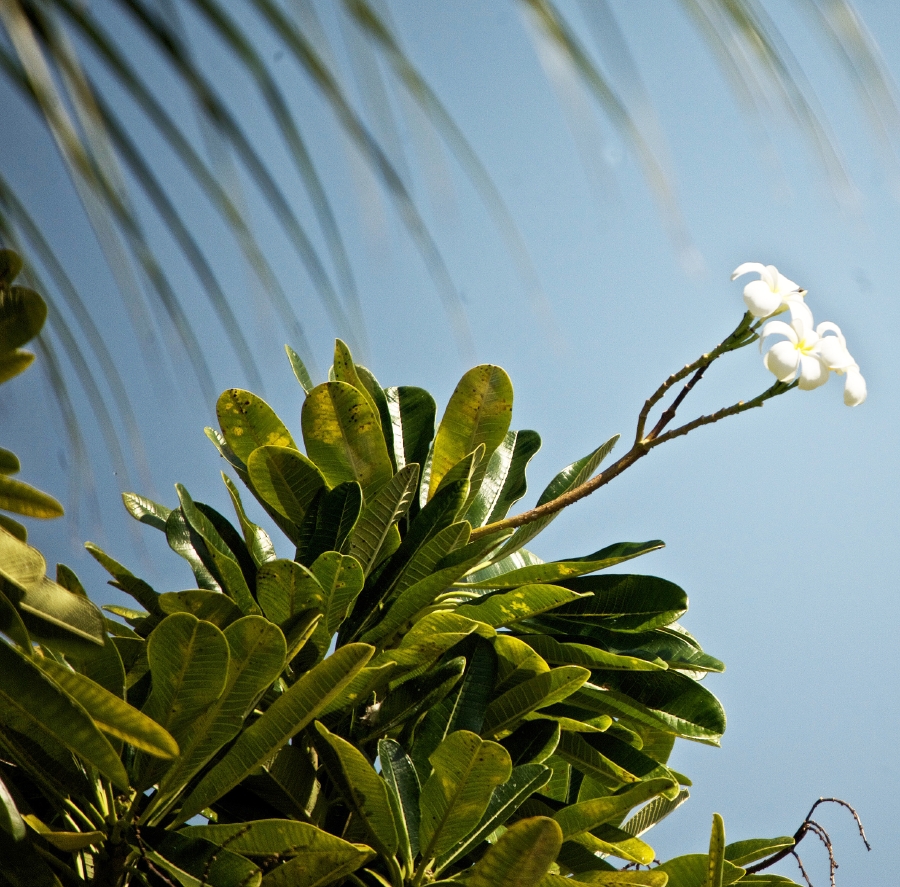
<point>744,334</point>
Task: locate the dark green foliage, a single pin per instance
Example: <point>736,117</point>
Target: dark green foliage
<point>397,703</point>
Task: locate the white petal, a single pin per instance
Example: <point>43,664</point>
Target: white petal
<point>854,388</point>
<point>828,327</point>
<point>801,311</point>
<point>813,373</point>
<point>770,275</point>
<point>746,268</point>
<point>782,361</point>
<point>777,328</point>
<point>760,299</point>
<point>783,285</point>
<point>833,353</point>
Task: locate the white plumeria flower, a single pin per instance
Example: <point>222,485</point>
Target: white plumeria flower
<point>798,357</point>
<point>809,355</point>
<point>832,351</point>
<point>855,391</point>
<point>772,293</point>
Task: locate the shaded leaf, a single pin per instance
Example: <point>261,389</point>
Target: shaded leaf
<point>32,703</point>
<point>507,710</point>
<point>466,770</point>
<point>285,480</point>
<point>111,714</point>
<point>521,856</point>
<point>289,714</point>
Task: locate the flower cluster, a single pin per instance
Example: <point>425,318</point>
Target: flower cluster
<point>808,353</point>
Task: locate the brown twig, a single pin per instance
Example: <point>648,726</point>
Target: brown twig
<point>809,825</point>
<point>743,334</point>
<point>638,451</point>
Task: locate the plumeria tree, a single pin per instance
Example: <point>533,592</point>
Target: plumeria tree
<point>406,695</point>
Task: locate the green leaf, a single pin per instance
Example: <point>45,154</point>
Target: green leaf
<point>654,812</point>
<point>380,516</point>
<point>507,710</point>
<point>285,480</point>
<point>341,579</point>
<point>188,665</point>
<point>532,742</point>
<point>223,559</point>
<point>299,368</point>
<point>403,793</point>
<point>22,498</point>
<point>256,538</point>
<point>404,703</point>
<point>111,714</point>
<point>521,857</point>
<point>68,842</point>
<point>11,623</point>
<point>422,594</point>
<point>248,422</point>
<point>625,603</point>
<point>617,878</point>
<point>365,792</point>
<point>685,706</point>
<point>570,477</point>
<point>437,515</point>
<point>505,800</point>
<point>344,370</point>
<point>337,514</point>
<point>466,771</point>
<point>715,868</point>
<point>504,478</point>
<point>197,863</point>
<point>462,709</point>
<point>10,819</point>
<point>577,750</point>
<point>343,436</point>
<point>315,857</point>
<point>14,528</point>
<point>189,546</point>
<point>744,852</point>
<point>612,841</point>
<point>479,412</point>
<point>288,715</point>
<point>586,816</point>
<point>429,638</point>
<point>126,581</point>
<point>586,655</point>
<point>9,462</point>
<point>22,314</point>
<point>210,606</point>
<point>560,570</point>
<point>412,411</point>
<point>146,510</point>
<point>285,588</point>
<point>520,603</point>
<point>256,656</point>
<point>44,605</point>
<point>13,363</point>
<point>693,871</point>
<point>10,265</point>
<point>32,703</point>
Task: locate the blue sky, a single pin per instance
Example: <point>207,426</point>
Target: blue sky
<point>779,523</point>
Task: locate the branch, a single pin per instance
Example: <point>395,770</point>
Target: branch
<point>809,825</point>
<point>744,333</point>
